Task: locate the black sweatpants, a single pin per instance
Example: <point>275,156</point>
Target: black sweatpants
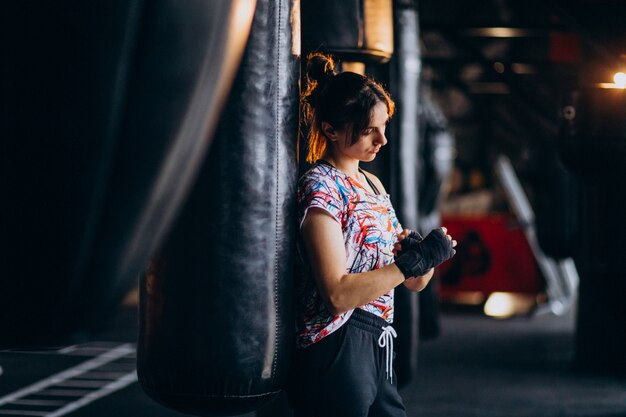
<point>344,374</point>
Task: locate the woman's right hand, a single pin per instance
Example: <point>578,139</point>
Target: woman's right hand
<point>415,257</point>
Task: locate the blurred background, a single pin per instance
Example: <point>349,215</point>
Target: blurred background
<point>149,157</point>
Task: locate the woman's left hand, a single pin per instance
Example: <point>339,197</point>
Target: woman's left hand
<point>401,236</point>
<point>414,283</point>
<point>420,282</point>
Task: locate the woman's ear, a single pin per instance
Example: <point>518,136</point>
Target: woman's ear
<point>329,131</point>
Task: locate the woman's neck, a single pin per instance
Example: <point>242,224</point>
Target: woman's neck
<point>347,166</point>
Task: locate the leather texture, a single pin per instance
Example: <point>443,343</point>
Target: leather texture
<point>592,145</point>
<point>353,30</point>
<point>107,114</point>
<point>435,162</point>
<point>216,308</point>
<point>405,68</point>
<point>592,131</point>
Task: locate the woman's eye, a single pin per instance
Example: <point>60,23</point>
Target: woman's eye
<point>367,131</point>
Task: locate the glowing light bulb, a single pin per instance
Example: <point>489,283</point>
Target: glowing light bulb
<point>620,80</point>
<point>499,305</point>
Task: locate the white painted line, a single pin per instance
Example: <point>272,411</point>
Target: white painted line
<point>100,375</point>
<point>23,413</point>
<point>85,351</point>
<point>82,383</point>
<point>68,349</point>
<point>91,346</point>
<point>118,367</point>
<point>102,344</point>
<point>63,392</point>
<point>46,403</point>
<point>82,368</point>
<point>123,382</point>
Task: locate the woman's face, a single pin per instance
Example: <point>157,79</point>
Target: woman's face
<point>370,140</point>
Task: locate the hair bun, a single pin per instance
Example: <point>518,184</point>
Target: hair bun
<point>320,67</point>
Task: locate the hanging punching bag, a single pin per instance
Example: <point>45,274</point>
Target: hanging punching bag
<point>436,162</point>
<point>216,320</point>
<point>357,30</point>
<point>556,196</point>
<point>593,113</point>
<point>106,114</point>
<point>593,145</point>
<point>405,68</point>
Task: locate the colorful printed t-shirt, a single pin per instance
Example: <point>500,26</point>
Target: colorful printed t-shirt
<point>369,225</point>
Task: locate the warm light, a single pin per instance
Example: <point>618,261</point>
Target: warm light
<point>502,32</point>
<point>499,305</point>
<point>358,67</point>
<point>499,67</point>
<point>502,305</point>
<point>519,68</point>
<point>620,80</point>
<point>470,298</point>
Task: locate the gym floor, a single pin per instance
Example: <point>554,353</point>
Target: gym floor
<point>477,367</point>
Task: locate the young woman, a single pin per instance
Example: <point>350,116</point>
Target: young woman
<point>353,252</point>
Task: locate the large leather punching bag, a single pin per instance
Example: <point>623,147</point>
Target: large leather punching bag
<point>405,68</point>
<point>593,145</point>
<point>556,196</point>
<point>436,164</point>
<point>106,113</point>
<point>216,314</point>
<point>354,30</point>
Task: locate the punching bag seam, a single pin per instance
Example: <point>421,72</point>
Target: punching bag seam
<point>276,207</point>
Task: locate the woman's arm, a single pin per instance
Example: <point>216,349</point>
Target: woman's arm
<point>419,283</point>
<point>341,291</point>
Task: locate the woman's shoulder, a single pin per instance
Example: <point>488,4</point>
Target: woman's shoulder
<point>318,174</point>
<point>376,181</point>
<point>325,180</point>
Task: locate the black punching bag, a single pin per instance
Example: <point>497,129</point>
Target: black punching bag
<point>436,160</point>
<point>216,319</point>
<point>405,67</point>
<point>353,30</point>
<point>593,145</point>
<point>556,195</point>
<point>106,110</point>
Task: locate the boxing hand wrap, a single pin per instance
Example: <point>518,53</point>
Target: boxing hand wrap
<point>410,242</point>
<point>411,263</point>
<point>420,257</point>
<point>415,235</point>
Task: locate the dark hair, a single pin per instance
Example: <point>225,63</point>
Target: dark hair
<point>343,100</point>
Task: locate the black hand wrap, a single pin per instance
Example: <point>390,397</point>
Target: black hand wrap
<point>417,257</point>
<point>415,235</point>
<point>410,242</point>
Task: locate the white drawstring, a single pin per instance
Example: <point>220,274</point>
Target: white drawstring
<point>386,341</point>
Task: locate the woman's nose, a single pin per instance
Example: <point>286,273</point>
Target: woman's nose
<point>381,139</point>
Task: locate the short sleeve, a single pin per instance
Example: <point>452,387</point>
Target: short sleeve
<point>395,222</point>
<point>399,228</point>
<point>323,191</point>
